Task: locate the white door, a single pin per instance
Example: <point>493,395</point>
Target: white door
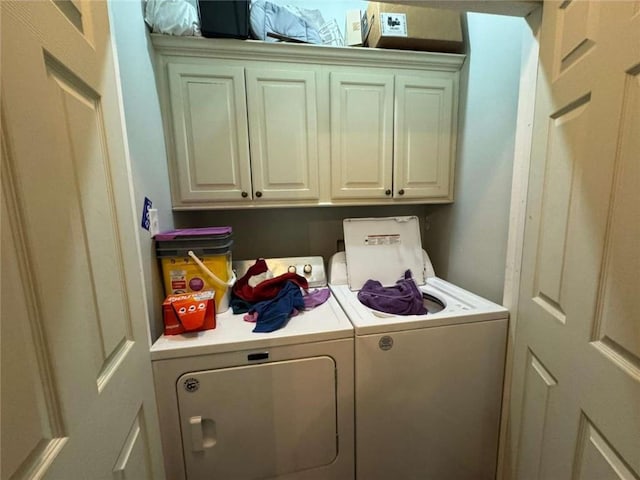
<point>424,136</point>
<point>575,409</point>
<point>283,129</point>
<point>210,152</point>
<point>361,135</point>
<point>77,392</point>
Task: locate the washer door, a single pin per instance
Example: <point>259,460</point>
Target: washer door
<point>258,421</point>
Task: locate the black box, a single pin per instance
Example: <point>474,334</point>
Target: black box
<point>224,18</point>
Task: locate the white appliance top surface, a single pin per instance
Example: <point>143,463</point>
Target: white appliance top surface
<point>232,333</point>
<point>461,306</point>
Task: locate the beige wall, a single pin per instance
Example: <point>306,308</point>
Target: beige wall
<point>291,231</point>
<point>467,240</point>
<point>145,138</point>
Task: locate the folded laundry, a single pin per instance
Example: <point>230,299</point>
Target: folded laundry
<point>404,298</point>
<point>266,289</point>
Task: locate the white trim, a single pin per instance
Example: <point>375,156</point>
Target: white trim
<point>232,49</point>
<point>517,215</point>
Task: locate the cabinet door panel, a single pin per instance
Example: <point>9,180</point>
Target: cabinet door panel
<point>424,129</point>
<point>361,135</point>
<point>209,132</point>
<point>283,133</point>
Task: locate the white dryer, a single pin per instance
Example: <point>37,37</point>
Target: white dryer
<point>428,387</point>
<point>238,405</point>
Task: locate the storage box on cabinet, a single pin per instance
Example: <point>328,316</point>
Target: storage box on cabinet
<point>421,28</point>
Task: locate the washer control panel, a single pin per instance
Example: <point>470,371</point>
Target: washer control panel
<point>311,268</point>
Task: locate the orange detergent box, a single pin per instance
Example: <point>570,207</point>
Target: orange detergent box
<point>189,312</point>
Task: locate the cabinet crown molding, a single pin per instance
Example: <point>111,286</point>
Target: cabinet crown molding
<point>305,53</point>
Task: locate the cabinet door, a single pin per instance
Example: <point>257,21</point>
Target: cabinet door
<point>424,136</point>
<point>210,135</point>
<point>361,135</point>
<point>283,133</point>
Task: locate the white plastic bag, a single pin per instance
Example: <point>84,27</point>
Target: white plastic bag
<point>173,17</point>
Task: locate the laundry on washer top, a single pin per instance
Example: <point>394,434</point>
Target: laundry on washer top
<point>267,289</point>
<point>403,298</point>
<point>270,300</point>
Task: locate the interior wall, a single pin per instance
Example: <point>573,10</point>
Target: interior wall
<point>289,232</point>
<point>145,139</point>
<point>467,240</point>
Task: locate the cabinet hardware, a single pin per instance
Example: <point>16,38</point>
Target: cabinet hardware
<point>258,194</point>
<point>245,194</point>
<point>387,192</point>
<point>401,191</point>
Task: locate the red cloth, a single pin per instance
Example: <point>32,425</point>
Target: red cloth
<point>267,289</point>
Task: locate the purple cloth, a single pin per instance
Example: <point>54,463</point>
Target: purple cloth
<point>404,298</point>
<point>315,298</point>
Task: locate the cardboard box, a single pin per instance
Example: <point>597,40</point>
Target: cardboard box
<point>189,312</point>
<point>414,28</point>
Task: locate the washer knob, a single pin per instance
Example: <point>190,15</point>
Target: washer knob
<point>291,269</point>
<point>307,268</point>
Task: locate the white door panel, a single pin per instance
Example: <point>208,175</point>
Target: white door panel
<point>361,135</point>
<point>73,255</point>
<point>210,133</point>
<point>283,129</point>
<point>575,407</point>
<point>424,136</point>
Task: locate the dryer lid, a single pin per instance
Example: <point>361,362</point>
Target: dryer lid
<point>383,249</point>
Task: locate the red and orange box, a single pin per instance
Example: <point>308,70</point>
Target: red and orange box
<point>189,312</point>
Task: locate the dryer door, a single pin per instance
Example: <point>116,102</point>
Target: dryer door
<point>258,421</point>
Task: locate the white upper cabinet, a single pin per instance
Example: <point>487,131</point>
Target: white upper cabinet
<point>209,133</point>
<point>221,113</point>
<point>361,135</point>
<point>424,136</point>
<point>209,126</point>
<point>255,124</point>
<point>283,133</point>
<point>393,136</point>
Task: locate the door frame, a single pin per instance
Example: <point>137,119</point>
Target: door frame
<point>517,218</point>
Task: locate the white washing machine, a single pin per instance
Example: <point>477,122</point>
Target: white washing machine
<point>238,405</point>
<point>428,387</point>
